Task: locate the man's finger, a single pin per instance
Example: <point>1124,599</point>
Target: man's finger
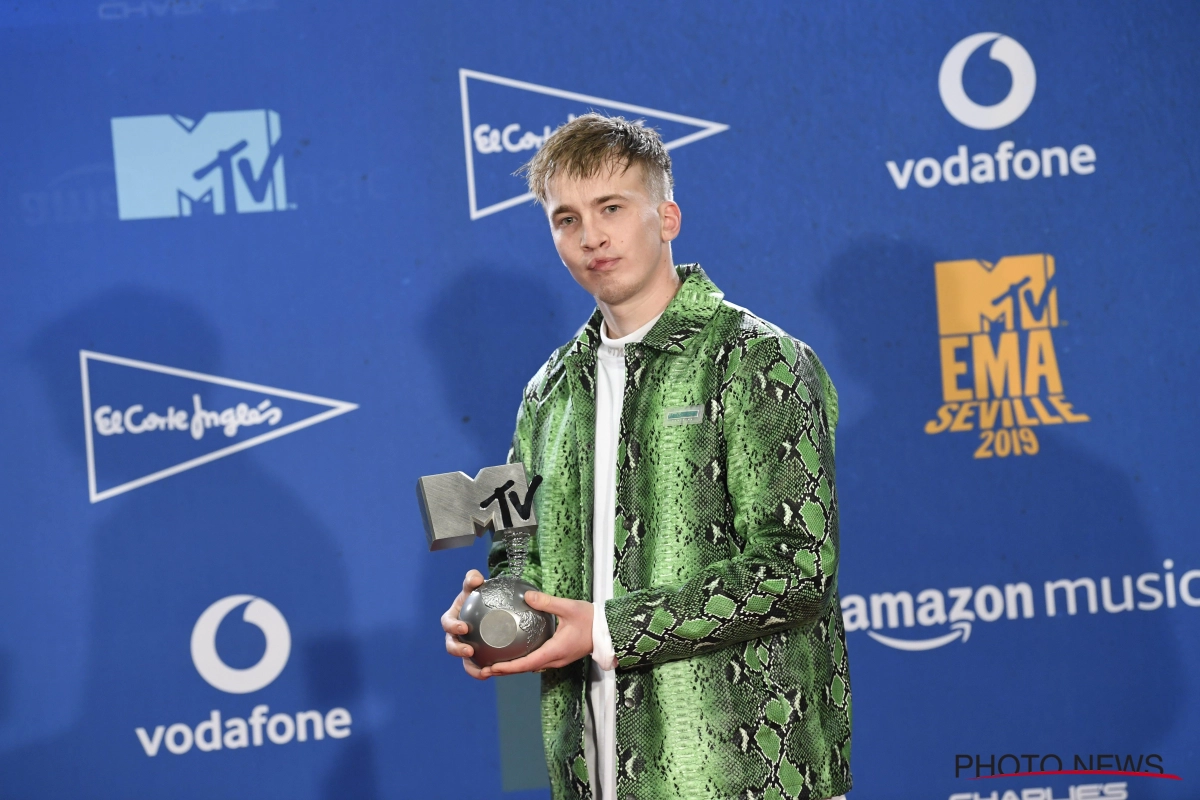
<point>474,671</point>
<point>472,579</point>
<point>517,666</point>
<point>455,607</point>
<point>456,648</point>
<point>541,601</point>
<point>536,660</point>
<point>451,623</point>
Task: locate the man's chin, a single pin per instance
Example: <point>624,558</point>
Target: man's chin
<point>614,295</point>
<point>611,290</point>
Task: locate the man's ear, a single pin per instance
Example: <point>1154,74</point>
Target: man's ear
<point>671,219</point>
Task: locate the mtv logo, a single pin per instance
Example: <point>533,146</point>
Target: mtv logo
<point>228,162</point>
<point>1015,293</point>
<point>456,507</point>
<point>505,121</point>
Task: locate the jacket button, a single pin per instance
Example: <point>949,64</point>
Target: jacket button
<point>630,702</point>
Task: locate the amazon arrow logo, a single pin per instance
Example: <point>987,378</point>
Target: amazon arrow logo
<point>962,629</point>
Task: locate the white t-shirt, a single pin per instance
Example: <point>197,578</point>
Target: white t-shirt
<point>600,735</point>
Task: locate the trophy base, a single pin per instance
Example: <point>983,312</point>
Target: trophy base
<point>500,626</point>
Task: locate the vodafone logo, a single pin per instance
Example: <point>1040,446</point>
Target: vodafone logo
<point>220,731</point>
<point>241,681</point>
<point>983,166</point>
<point>987,118</point>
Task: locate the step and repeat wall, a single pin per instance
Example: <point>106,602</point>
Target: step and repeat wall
<point>265,263</point>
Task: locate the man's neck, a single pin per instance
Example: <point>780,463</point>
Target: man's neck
<point>624,318</point>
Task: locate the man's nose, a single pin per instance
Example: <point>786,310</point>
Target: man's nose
<point>591,236</point>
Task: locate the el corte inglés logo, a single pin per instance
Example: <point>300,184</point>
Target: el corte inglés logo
<point>1000,375</point>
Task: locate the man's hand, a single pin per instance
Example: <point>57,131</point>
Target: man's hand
<point>570,642</point>
<point>451,625</point>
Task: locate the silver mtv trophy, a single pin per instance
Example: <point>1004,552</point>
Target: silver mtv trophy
<point>456,509</point>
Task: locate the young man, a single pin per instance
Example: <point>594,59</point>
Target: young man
<point>688,537</point>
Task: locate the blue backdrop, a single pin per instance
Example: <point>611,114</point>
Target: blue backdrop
<point>265,264</point>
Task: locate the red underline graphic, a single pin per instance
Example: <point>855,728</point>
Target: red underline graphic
<point>1168,775</point>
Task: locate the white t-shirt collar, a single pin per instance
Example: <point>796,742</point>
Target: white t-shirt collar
<point>636,336</point>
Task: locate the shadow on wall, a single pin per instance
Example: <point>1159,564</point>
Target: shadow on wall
<point>484,362</point>
<point>487,331</point>
<point>333,672</point>
<point>918,511</point>
<point>162,554</point>
<point>6,684</point>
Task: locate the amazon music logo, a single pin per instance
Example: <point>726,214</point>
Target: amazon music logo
<point>933,618</point>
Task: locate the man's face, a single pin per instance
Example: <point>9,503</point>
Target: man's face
<point>609,231</point>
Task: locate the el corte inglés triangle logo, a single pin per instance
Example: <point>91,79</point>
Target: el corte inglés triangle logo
<point>144,422</point>
<point>505,121</point>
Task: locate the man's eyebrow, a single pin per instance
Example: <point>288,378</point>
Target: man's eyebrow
<point>599,201</point>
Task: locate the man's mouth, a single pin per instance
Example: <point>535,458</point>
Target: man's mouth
<point>602,264</point>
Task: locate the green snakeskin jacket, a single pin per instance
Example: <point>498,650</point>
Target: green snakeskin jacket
<point>732,677</point>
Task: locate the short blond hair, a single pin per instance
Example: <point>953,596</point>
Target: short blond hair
<point>593,142</point>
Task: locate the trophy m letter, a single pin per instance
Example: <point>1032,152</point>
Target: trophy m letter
<point>457,508</point>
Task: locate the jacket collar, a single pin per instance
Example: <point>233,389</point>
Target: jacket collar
<point>685,316</point>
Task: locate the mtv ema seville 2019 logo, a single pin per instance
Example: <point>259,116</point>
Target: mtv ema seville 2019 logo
<point>1000,372</point>
<point>228,162</point>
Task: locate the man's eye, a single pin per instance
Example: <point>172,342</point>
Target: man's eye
<point>565,221</point>
<point>612,208</point>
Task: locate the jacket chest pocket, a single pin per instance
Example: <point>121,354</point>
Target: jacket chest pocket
<point>672,499</point>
